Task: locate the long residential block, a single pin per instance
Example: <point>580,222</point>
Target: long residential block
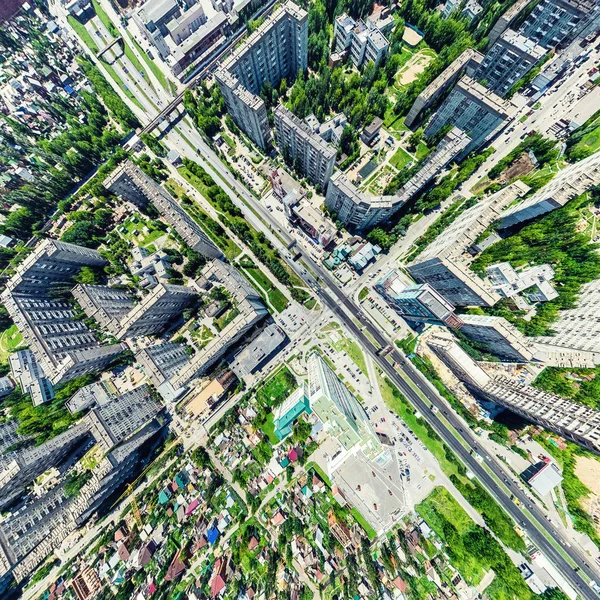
<point>569,183</point>
<point>467,63</point>
<point>118,313</point>
<point>445,263</point>
<point>473,109</point>
<point>132,184</point>
<point>362,211</point>
<point>276,50</point>
<point>310,153</point>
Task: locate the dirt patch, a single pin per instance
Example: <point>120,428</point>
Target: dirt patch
<point>413,68</point>
<point>588,472</point>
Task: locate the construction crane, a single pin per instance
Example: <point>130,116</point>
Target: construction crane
<point>130,489</point>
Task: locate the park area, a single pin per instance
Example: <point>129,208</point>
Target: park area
<point>10,340</point>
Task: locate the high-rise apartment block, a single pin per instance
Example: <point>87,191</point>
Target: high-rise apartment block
<point>466,64</point>
<point>575,422</point>
<point>473,109</point>
<point>553,21</point>
<point>365,42</point>
<point>416,303</point>
<point>507,61</point>
<point>340,411</point>
<point>63,347</point>
<point>116,420</point>
<point>276,50</point>
<point>25,369</point>
<point>132,184</point>
<point>444,264</point>
<point>170,368</point>
<point>312,156</point>
<point>116,310</point>
<point>504,21</point>
<point>361,211</point>
<point>569,183</point>
<point>496,336</point>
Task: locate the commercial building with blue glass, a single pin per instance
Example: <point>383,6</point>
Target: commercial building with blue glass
<point>286,413</point>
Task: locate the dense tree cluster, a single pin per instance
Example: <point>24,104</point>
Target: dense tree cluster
<point>206,108</point>
<point>554,239</point>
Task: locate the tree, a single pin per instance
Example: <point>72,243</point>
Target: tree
<point>302,431</point>
<point>89,276</point>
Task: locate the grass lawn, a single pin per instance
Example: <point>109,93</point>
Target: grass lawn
<point>269,429</point>
<point>400,159</point>
<point>105,19</point>
<point>589,143</point>
<point>422,151</point>
<point>371,533</point>
<point>162,79</point>
<point>352,349</point>
<point>276,297</point>
<point>83,34</point>
<point>440,508</point>
<point>10,339</point>
<point>310,303</point>
<point>363,294</point>
<point>277,388</point>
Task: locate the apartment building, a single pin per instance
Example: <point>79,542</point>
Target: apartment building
<point>63,347</point>
<point>551,22</point>
<point>311,155</point>
<point>466,64</point>
<point>507,61</point>
<point>445,263</point>
<point>474,110</point>
<point>496,336</point>
<point>133,185</point>
<point>365,42</point>
<point>569,183</point>
<point>416,303</point>
<point>276,50</point>
<point>362,211</point>
<point>117,311</point>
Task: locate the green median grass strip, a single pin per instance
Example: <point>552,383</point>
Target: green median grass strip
<point>83,34</point>
<point>276,298</point>
<point>105,19</point>
<point>156,70</point>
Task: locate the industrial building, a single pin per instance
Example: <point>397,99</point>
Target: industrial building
<point>133,185</point>
<point>473,109</point>
<point>276,50</point>
<point>310,154</point>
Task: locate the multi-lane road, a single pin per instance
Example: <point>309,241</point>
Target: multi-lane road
<point>446,423</point>
<point>450,428</point>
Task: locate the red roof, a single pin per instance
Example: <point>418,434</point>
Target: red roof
<point>217,586</point>
<point>192,507</point>
<point>253,543</point>
<point>292,455</point>
<point>152,588</point>
<point>400,584</point>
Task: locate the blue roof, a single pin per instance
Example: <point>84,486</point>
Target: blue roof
<point>212,534</point>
